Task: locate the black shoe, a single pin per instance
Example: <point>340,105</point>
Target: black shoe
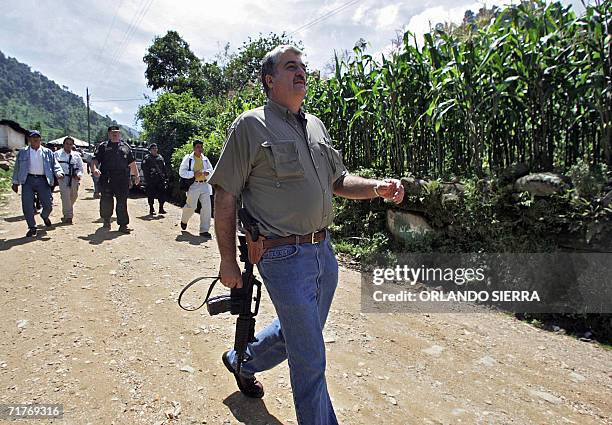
<point>183,226</point>
<point>124,229</point>
<point>163,211</point>
<point>152,211</point>
<point>106,224</point>
<point>66,220</point>
<point>31,232</point>
<point>206,235</point>
<point>250,387</point>
<point>47,222</point>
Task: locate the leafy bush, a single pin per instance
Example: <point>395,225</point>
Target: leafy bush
<point>484,219</point>
<point>364,249</point>
<point>588,180</point>
<point>178,155</point>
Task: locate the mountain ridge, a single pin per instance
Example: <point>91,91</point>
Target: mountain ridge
<point>36,102</point>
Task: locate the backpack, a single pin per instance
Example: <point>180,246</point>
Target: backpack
<point>184,183</point>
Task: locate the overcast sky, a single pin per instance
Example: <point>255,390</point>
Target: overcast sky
<point>100,44</point>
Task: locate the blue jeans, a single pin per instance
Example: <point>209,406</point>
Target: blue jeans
<point>36,185</point>
<point>301,281</point>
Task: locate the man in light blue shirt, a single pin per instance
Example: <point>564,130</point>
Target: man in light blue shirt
<point>35,170</point>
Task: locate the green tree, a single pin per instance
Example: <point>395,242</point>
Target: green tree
<point>243,67</point>
<point>174,118</point>
<point>172,66</point>
<point>213,81</point>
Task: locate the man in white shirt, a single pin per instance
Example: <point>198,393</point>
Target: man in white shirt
<point>35,170</point>
<point>72,166</point>
<point>197,167</point>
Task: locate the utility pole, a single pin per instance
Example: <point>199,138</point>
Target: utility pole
<point>88,124</point>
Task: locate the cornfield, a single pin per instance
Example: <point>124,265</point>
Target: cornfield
<point>534,85</point>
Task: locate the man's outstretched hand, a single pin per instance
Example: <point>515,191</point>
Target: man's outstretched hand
<point>391,189</point>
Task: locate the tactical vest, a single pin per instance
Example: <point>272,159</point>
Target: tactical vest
<point>114,157</point>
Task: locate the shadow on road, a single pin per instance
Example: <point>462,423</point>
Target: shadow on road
<point>101,235</point>
<point>191,239</point>
<point>101,220</point>
<point>250,411</point>
<point>136,193</point>
<point>6,244</point>
<point>14,219</point>
<point>58,224</point>
<point>151,217</point>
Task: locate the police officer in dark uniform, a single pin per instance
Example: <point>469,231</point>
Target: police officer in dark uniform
<point>156,179</point>
<point>113,161</point>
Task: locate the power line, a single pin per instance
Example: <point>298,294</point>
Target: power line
<point>129,28</point>
<point>130,33</point>
<point>324,17</point>
<point>112,25</point>
<point>118,51</point>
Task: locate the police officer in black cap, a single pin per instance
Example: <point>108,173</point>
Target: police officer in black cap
<point>154,171</point>
<point>113,161</point>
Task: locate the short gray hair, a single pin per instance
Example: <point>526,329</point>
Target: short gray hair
<point>270,60</point>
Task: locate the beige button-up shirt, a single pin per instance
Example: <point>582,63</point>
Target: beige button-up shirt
<point>284,166</point>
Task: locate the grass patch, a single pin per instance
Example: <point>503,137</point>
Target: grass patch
<point>6,178</point>
<point>364,249</point>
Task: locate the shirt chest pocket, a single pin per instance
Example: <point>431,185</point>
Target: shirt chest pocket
<point>330,156</point>
<point>284,159</point>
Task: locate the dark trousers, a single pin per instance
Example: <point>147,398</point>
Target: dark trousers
<point>156,190</point>
<point>114,186</point>
<point>39,186</point>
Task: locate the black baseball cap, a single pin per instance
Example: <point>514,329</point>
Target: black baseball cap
<point>113,128</point>
<point>197,142</point>
<point>33,133</point>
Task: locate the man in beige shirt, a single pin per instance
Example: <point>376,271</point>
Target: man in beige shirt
<point>281,162</point>
<point>72,166</point>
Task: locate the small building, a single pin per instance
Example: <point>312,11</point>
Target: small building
<point>12,136</point>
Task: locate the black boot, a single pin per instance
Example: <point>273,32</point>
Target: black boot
<point>161,209</point>
<point>151,210</point>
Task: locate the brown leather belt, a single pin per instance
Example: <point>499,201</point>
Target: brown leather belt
<point>314,237</point>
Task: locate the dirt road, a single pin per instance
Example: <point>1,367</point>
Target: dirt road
<point>88,318</point>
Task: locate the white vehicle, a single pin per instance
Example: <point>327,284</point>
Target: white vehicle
<point>139,154</point>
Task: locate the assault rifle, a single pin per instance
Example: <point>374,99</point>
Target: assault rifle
<point>241,301</point>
